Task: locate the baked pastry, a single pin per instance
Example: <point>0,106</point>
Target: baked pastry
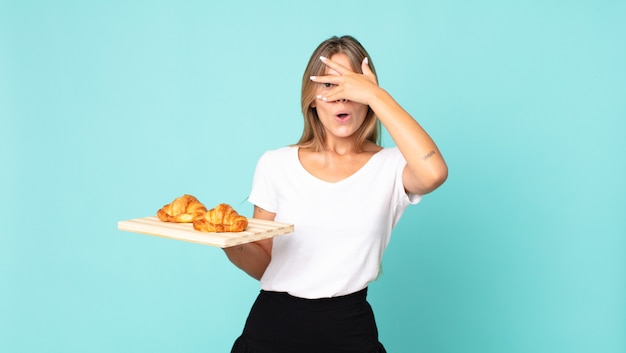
<point>183,209</point>
<point>222,218</point>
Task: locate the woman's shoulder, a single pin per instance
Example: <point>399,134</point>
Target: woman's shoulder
<point>278,155</point>
<point>390,150</point>
<point>386,151</point>
<point>389,155</point>
<point>280,151</point>
<point>371,147</point>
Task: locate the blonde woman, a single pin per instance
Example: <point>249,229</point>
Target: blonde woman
<point>344,193</point>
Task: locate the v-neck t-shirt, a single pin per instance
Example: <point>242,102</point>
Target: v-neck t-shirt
<point>341,229</point>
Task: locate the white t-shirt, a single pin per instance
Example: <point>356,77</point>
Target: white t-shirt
<point>341,228</point>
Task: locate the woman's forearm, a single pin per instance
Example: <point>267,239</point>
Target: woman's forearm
<point>252,258</point>
<point>426,168</point>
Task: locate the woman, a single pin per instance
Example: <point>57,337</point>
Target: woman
<point>344,193</point>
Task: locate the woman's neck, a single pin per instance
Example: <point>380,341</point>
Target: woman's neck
<point>345,147</point>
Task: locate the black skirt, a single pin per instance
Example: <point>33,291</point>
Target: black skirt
<point>281,323</point>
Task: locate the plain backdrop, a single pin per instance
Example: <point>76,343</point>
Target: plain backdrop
<point>110,109</point>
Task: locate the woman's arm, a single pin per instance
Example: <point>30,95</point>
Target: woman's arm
<point>253,258</point>
<point>426,170</point>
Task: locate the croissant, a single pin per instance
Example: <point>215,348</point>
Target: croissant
<point>183,209</point>
<point>222,218</point>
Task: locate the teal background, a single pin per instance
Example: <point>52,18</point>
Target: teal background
<point>110,109</point>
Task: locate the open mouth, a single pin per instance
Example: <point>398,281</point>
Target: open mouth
<point>343,116</point>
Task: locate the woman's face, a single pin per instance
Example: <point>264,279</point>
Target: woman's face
<point>340,119</point>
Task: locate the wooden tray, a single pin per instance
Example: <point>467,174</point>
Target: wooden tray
<point>257,229</point>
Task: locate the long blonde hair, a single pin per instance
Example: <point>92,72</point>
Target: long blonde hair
<point>313,135</point>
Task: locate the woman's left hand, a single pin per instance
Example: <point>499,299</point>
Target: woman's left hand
<point>348,84</point>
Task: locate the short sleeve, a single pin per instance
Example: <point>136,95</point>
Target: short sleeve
<point>263,192</point>
<point>403,199</point>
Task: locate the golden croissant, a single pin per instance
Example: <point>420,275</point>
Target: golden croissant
<point>222,218</point>
<point>183,209</point>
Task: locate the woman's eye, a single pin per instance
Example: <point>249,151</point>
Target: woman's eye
<point>327,85</point>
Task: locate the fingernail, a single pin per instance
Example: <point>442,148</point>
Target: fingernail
<point>367,61</point>
<point>322,58</point>
<point>313,78</point>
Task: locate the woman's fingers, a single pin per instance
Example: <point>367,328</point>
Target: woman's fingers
<point>367,71</point>
<point>346,84</point>
<point>342,70</point>
<point>332,79</point>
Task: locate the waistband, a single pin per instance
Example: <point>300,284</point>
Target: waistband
<point>331,303</point>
